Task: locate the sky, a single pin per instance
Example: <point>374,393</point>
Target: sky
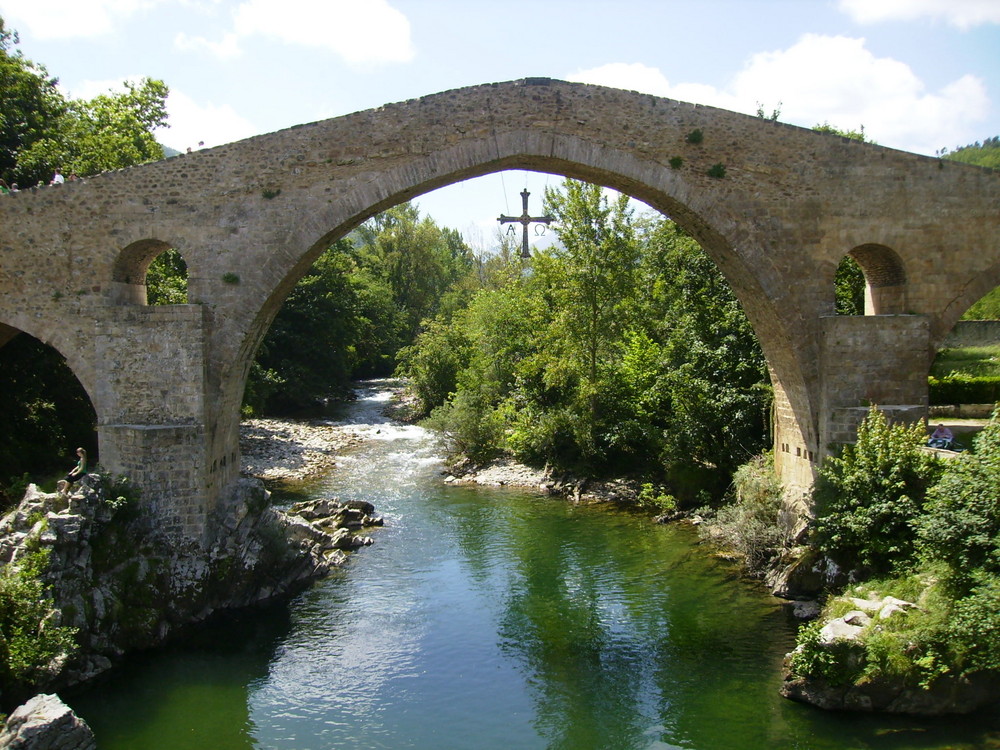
<point>918,75</point>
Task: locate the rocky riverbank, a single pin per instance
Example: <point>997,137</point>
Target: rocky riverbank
<point>291,450</point>
<point>506,472</point>
<point>121,586</point>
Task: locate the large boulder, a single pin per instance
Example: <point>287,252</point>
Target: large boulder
<point>46,723</point>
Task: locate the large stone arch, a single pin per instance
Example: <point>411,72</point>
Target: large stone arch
<point>704,212</point>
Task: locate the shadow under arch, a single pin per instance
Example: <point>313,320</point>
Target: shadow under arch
<point>885,279</point>
<point>46,410</point>
<point>130,271</point>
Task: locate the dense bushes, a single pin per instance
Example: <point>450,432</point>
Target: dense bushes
<point>30,639</point>
<point>867,499</point>
<point>750,525</point>
<point>960,388</point>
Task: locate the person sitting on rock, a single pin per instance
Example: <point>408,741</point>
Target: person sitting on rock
<point>79,471</point>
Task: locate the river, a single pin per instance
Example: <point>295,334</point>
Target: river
<point>490,618</point>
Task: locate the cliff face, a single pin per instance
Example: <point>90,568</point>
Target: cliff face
<point>123,586</point>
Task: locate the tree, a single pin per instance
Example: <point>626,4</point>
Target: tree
<point>166,279</point>
<point>111,131</point>
<point>985,154</point>
<point>620,349</point>
<point>849,287</point>
<point>712,390</point>
<point>31,106</point>
<point>868,498</point>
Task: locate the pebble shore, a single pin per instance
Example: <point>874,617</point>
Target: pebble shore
<point>291,450</point>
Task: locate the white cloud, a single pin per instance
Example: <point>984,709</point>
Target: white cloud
<point>835,80</point>
<point>190,123</point>
<point>91,88</point>
<point>226,49</point>
<point>210,124</point>
<point>963,14</point>
<point>62,19</point>
<point>359,32</point>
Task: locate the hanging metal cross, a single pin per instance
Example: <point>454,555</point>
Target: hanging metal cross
<point>524,220</point>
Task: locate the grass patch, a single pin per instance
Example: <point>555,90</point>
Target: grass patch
<point>971,360</point>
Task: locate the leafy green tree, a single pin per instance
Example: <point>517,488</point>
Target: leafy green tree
<point>589,278</point>
<point>869,498</point>
<point>849,287</point>
<point>962,523</point>
<point>308,353</point>
<point>419,260</point>
<point>166,279</point>
<point>985,154</point>
<point>31,106</point>
<point>616,350</point>
<point>713,388</point>
<point>111,131</point>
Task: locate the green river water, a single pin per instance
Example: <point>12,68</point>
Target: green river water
<point>490,618</point>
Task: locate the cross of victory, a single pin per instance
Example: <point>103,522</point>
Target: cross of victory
<point>524,219</point>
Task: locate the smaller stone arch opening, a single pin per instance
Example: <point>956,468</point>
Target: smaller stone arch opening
<point>871,280</point>
<point>150,272</point>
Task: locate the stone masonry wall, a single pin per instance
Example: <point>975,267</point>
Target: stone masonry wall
<point>872,360</point>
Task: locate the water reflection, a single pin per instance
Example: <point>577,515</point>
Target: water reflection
<point>494,619</point>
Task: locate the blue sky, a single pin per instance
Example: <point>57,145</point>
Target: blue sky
<point>919,75</point>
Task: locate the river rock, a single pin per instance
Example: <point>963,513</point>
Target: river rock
<point>803,573</point>
<point>843,638</point>
<point>46,723</point>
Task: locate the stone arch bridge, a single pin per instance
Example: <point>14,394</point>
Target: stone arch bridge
<point>250,217</point>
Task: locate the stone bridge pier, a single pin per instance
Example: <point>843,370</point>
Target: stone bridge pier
<point>775,206</point>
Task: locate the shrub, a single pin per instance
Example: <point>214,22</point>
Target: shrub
<point>750,525</point>
<point>467,425</point>
<point>868,498</point>
<point>656,498</point>
<point>962,524</point>
<point>30,641</point>
<point>973,632</point>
